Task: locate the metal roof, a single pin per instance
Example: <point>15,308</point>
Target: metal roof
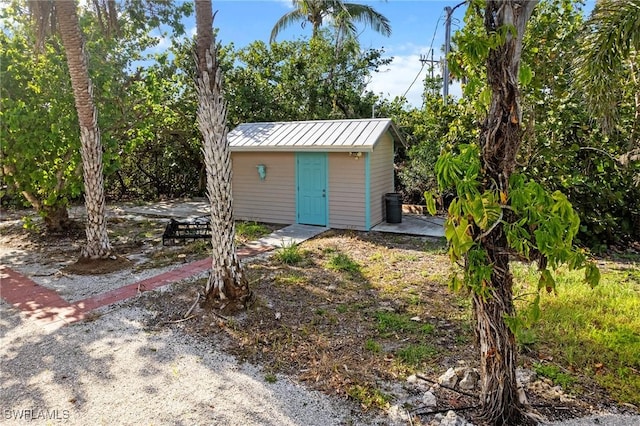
<point>318,135</point>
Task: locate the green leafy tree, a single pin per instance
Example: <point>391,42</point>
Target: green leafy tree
<point>607,69</point>
<point>427,131</point>
<point>300,80</point>
<point>498,212</point>
<point>563,145</point>
<point>344,15</point>
<point>36,148</point>
<point>159,136</point>
<point>42,164</point>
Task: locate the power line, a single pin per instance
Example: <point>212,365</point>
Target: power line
<point>414,80</point>
<point>435,30</point>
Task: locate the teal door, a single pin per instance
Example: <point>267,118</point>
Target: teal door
<point>311,199</point>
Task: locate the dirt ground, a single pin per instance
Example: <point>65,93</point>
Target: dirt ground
<point>356,316</point>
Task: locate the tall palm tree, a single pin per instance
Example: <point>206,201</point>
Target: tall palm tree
<point>610,48</point>
<point>98,245</point>
<point>316,11</point>
<point>226,280</point>
<point>607,67</point>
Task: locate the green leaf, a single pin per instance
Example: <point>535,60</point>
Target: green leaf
<point>546,281</point>
<point>485,210</point>
<point>525,75</point>
<point>459,237</point>
<point>519,239</point>
<point>430,198</point>
<point>534,309</point>
<point>485,96</point>
<point>592,274</point>
<point>456,283</point>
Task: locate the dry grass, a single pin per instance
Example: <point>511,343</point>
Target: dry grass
<point>353,315</point>
<point>356,313</point>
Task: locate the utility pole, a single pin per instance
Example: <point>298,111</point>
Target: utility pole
<point>447,48</point>
<point>424,59</point>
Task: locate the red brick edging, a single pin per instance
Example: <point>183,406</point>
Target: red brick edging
<point>46,307</point>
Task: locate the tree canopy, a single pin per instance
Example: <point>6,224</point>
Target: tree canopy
<point>343,15</point>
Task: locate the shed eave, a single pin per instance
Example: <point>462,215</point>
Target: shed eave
<point>320,148</point>
<point>395,133</point>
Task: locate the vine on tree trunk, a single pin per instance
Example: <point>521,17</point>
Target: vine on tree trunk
<point>497,213</point>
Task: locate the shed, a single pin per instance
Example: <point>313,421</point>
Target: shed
<point>331,173</point>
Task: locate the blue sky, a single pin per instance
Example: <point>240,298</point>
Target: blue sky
<point>414,23</point>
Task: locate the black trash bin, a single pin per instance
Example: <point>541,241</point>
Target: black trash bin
<point>393,206</point>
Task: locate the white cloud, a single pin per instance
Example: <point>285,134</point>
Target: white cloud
<point>164,43</point>
<point>396,78</point>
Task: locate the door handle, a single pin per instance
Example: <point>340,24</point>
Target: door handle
<point>324,193</point>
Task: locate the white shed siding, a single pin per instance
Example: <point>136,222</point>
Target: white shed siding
<point>381,177</point>
<point>272,200</point>
<point>346,191</point>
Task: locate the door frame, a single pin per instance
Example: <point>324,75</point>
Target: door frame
<point>299,173</point>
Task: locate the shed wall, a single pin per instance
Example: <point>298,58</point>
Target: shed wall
<point>272,200</point>
<point>381,177</point>
<point>347,199</point>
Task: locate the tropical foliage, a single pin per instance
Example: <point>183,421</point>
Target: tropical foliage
<point>343,15</point>
<point>498,213</point>
<point>151,144</point>
<point>563,147</point>
<point>41,165</point>
<point>40,137</point>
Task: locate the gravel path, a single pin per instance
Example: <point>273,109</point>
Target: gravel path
<point>113,371</point>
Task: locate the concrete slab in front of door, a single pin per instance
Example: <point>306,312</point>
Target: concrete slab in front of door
<point>292,234</point>
<point>426,226</point>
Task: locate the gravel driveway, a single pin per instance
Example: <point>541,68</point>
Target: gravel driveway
<point>114,371</point>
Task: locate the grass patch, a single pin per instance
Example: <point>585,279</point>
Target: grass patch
<point>291,278</point>
<point>270,378</point>
<point>594,331</point>
<point>373,346</point>
<point>341,262</point>
<point>438,247</point>
<point>376,257</point>
<point>251,230</point>
<point>414,355</point>
<point>146,229</point>
<point>554,373</point>
<point>289,254</point>
<point>391,323</point>
<point>369,397</point>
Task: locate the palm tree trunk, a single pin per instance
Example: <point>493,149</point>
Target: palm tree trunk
<point>98,245</point>
<point>226,280</point>
<point>500,141</point>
